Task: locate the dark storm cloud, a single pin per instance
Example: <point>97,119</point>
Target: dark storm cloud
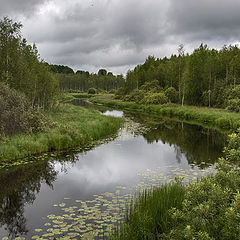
<point>118,34</point>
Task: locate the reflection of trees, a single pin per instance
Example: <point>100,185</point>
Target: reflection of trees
<point>18,187</point>
<point>198,144</point>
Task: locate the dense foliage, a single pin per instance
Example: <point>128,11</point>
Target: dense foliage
<point>206,77</point>
<point>17,114</point>
<point>21,67</point>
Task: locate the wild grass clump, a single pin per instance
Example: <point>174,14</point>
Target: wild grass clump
<point>147,217</point>
<point>71,126</point>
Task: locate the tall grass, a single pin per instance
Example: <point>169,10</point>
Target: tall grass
<point>147,216</point>
<point>71,126</point>
<point>217,118</point>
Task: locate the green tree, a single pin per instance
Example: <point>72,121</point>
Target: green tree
<point>102,72</point>
<point>21,67</point>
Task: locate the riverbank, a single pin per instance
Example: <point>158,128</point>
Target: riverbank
<point>215,118</point>
<point>71,126</point>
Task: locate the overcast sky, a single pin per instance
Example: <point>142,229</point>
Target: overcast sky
<point>119,34</point>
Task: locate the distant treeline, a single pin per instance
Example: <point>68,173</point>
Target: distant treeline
<point>83,80</point>
<point>206,77</point>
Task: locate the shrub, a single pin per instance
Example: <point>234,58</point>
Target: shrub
<point>235,92</point>
<point>232,100</point>
<point>135,96</point>
<point>17,115</point>
<point>92,91</point>
<point>152,86</point>
<point>119,93</point>
<point>232,151</point>
<point>172,94</point>
<point>233,105</point>
<point>154,98</point>
<point>207,207</point>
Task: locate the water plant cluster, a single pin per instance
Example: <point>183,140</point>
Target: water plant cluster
<point>99,217</point>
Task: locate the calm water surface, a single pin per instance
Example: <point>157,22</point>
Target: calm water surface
<point>83,194</point>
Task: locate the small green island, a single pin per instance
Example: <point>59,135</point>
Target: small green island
<point>151,153</point>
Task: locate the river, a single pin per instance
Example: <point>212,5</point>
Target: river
<point>83,193</point>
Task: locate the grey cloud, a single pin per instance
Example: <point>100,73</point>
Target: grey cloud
<point>205,20</point>
<point>12,7</point>
<point>92,35</point>
<point>119,34</point>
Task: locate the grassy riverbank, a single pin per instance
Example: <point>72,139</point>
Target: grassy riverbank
<point>216,118</point>
<point>207,209</point>
<point>70,126</point>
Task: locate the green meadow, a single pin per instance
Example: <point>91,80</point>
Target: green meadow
<point>69,126</point>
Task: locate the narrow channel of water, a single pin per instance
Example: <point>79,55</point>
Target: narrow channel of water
<point>84,194</point>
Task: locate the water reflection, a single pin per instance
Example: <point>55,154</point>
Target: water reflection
<point>113,113</point>
<point>199,145</point>
<point>28,193</point>
<point>18,188</point>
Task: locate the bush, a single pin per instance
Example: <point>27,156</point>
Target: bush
<point>17,115</point>
<point>233,105</point>
<point>232,100</point>
<point>135,96</point>
<point>119,93</point>
<point>232,151</point>
<point>152,86</point>
<point>154,98</point>
<point>92,91</point>
<point>172,94</point>
<point>208,207</point>
<point>235,92</point>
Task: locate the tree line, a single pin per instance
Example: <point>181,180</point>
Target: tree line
<point>83,80</point>
<point>207,77</point>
